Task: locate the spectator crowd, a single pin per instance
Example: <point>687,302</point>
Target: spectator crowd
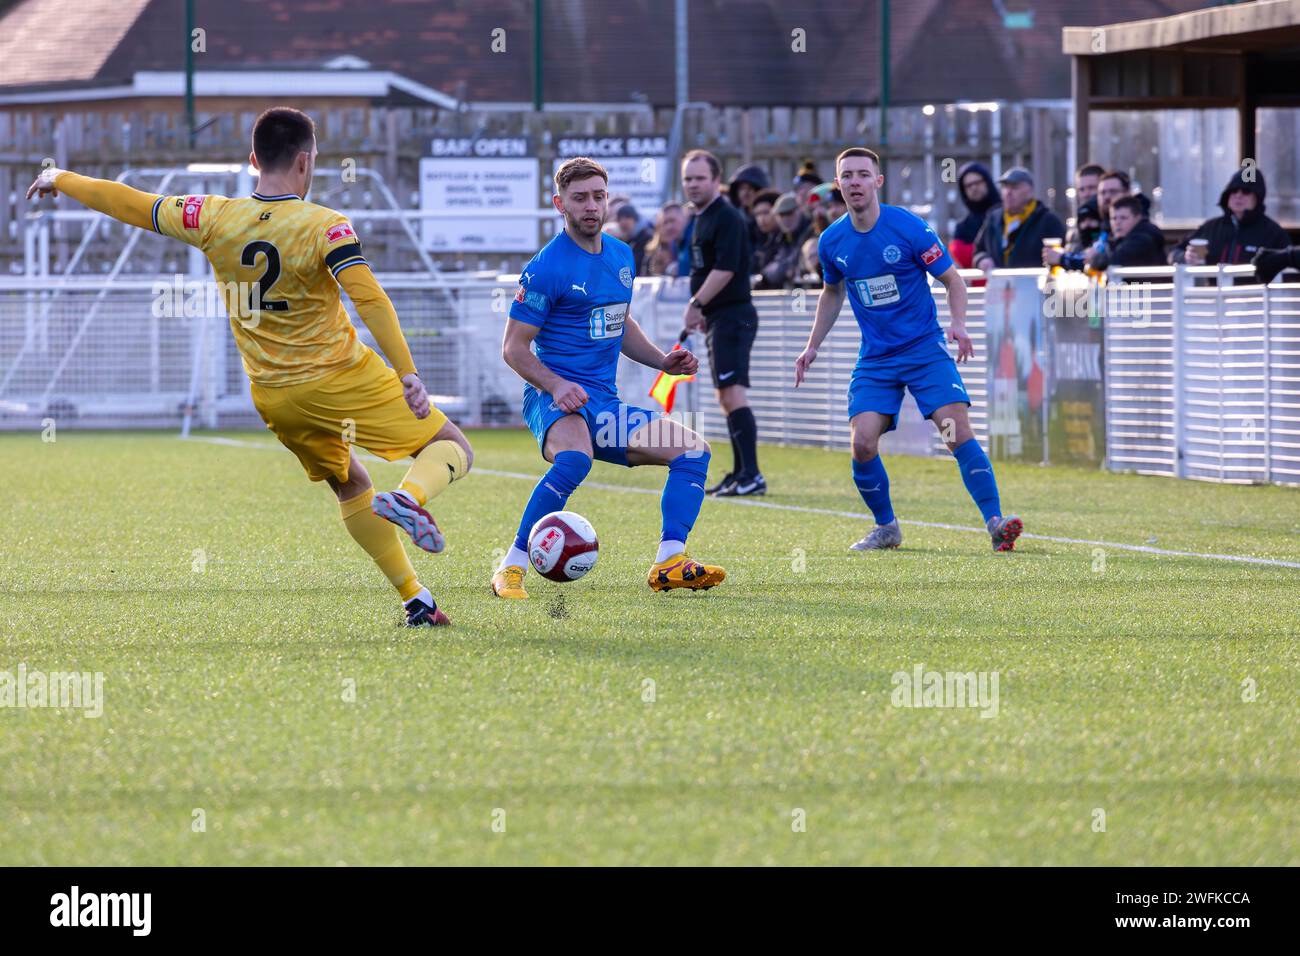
<point>1006,225</point>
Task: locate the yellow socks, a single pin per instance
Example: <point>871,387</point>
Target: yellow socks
<point>437,466</point>
<point>379,539</point>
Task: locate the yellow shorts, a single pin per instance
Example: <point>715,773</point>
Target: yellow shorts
<point>319,420</point>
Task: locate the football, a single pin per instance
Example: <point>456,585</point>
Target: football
<point>562,546</point>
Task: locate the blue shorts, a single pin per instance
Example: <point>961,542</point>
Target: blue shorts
<point>610,421</point>
<point>925,369</point>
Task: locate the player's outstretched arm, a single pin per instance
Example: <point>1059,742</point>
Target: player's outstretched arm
<point>638,347</point>
<point>956,286</point>
<point>377,312</point>
<point>517,352</point>
<point>131,206</point>
<point>829,304</point>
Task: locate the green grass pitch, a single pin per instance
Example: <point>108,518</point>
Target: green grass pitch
<point>231,615</point>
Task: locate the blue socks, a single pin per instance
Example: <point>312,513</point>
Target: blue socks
<point>553,491</point>
<point>873,484</point>
<point>977,473</point>
<point>683,494</point>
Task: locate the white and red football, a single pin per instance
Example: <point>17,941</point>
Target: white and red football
<point>562,546</point>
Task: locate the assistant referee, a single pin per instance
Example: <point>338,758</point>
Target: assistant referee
<point>721,307</point>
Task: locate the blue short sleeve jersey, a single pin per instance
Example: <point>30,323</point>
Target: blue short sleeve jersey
<point>579,301</point>
<point>884,271</point>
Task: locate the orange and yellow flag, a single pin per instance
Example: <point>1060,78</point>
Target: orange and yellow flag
<point>664,390</point>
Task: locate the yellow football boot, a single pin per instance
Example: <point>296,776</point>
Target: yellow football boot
<point>680,571</point>
<point>509,583</point>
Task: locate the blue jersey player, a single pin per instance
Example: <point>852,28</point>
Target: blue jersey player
<point>879,257</point>
<point>568,324</point>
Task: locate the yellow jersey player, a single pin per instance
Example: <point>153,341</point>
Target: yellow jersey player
<point>280,262</point>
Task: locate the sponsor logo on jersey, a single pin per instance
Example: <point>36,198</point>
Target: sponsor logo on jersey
<point>533,300</point>
<point>878,290</point>
<point>190,211</point>
<point>342,230</point>
<point>606,321</point>
<point>932,255</point>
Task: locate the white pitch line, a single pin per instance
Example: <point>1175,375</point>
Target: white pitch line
<point>828,512</point>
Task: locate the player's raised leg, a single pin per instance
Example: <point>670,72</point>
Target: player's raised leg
<point>872,481</point>
<point>568,449</point>
<point>977,474</point>
<point>379,539</point>
<point>446,458</point>
<point>662,441</point>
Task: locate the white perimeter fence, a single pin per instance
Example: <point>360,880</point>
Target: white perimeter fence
<point>1193,376</point>
<point>1205,383</point>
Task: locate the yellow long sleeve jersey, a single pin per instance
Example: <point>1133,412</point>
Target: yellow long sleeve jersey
<point>280,262</point>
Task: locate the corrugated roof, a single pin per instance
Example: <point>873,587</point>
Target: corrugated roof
<point>51,41</point>
<point>594,50</point>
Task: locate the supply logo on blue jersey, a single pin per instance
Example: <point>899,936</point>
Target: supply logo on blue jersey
<point>606,321</point>
<point>878,290</point>
<point>891,254</point>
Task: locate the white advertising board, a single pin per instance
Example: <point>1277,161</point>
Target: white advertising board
<point>475,175</point>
